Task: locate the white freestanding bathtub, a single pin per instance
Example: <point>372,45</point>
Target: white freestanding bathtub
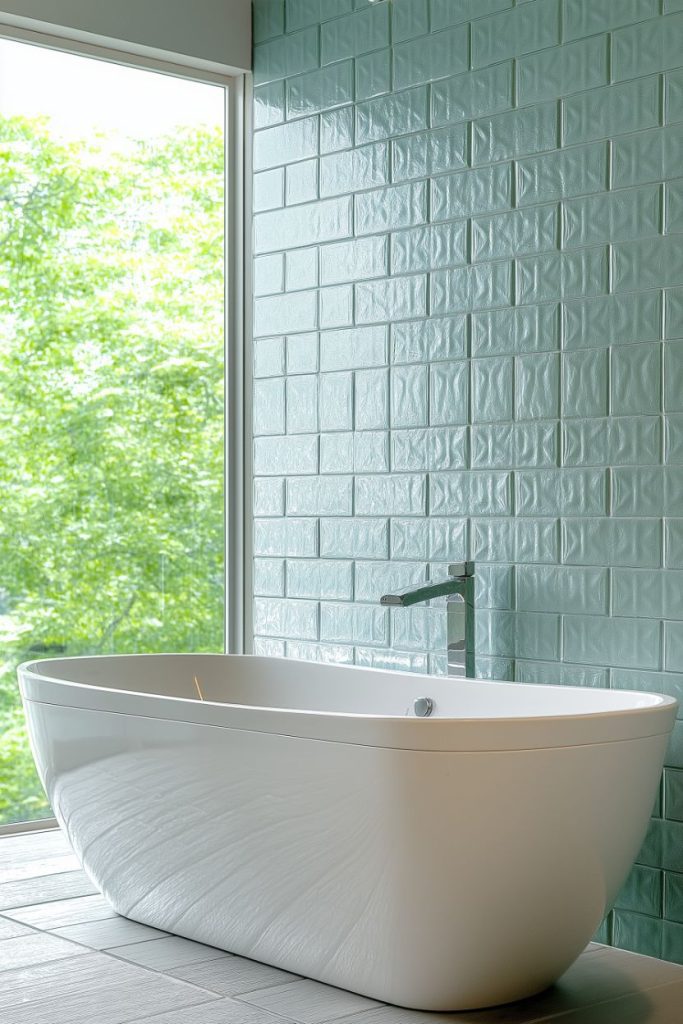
<point>303,816</point>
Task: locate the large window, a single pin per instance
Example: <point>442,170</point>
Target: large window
<point>111,371</point>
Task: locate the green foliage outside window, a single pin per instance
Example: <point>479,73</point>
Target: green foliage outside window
<point>111,408</point>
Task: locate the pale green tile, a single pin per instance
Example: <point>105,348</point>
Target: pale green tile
<point>397,114</point>
<point>531,27</point>
<point>431,247</point>
<point>301,182</point>
<point>453,12</point>
<point>268,19</point>
<point>647,47</point>
<point>354,34</point>
<point>419,61</point>
<point>335,398</point>
<point>561,589</point>
<point>269,104</point>
<point>614,110</point>
<point>269,406</point>
<point>652,594</point>
<point>515,331</point>
<point>627,542</point>
<point>612,217</point>
<point>353,349</point>
<point>471,288</point>
<point>448,393</point>
<point>464,97</point>
<point>336,130</point>
<point>568,492</point>
<point>269,190</point>
<point>564,275</point>
<point>289,55</point>
<point>373,74</point>
<point>371,399</point>
<point>505,235</point>
<point>320,90</point>
<point>353,260</point>
<point>394,299</point>
<point>470,192</point>
<point>585,17</point>
<point>567,172</point>
<point>354,169</point>
<point>335,306</point>
<point>301,269</point>
<point>302,404</point>
<point>562,70</point>
<point>428,153</point>
<point>636,379</point>
<point>614,441</point>
<point>537,386</point>
<point>409,397</point>
<point>637,933</point>
<point>269,357</point>
<point>584,383</point>
<point>515,133</point>
<point>409,18</point>
<point>652,155</point>
<point>611,320</point>
<point>492,389</point>
<point>632,643</point>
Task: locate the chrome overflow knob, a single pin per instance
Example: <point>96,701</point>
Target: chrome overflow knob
<point>423,707</point>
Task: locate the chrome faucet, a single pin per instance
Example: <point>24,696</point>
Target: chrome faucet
<point>458,588</point>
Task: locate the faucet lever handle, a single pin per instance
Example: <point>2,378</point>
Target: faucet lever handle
<point>461,570</point>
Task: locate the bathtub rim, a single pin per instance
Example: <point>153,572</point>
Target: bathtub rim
<point>368,729</point>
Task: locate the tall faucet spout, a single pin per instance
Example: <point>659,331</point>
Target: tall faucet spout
<point>458,588</point>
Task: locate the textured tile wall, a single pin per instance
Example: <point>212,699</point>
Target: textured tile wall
<point>469,343</point>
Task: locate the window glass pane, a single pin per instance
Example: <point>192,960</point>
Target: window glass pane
<point>111,372</point>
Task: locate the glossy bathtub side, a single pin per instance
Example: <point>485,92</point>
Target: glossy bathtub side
<point>358,705</point>
<point>428,879</point>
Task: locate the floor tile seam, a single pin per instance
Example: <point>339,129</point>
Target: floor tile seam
<point>103,949</point>
<point>212,997</point>
<point>33,928</point>
<point>178,1009</point>
<point>240,995</point>
<point>44,963</point>
<point>350,1017</point>
<point>325,1020</point>
<point>231,995</point>
<point>111,951</point>
<point>52,960</point>
<point>77,924</point>
<point>33,878</point>
<point>35,862</point>
<point>557,1016</point>
<point>111,988</point>
<point>78,942</point>
<point>606,1002</point>
<point>63,848</point>
<point>209,1002</point>
<point>141,976</point>
<point>51,899</point>
<point>276,1013</point>
<point>275,984</point>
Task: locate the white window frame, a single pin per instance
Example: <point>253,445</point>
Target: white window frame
<point>237,317</point>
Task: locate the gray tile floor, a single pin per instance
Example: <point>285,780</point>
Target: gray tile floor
<point>67,958</point>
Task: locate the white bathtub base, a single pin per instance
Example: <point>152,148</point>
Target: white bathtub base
<point>433,879</point>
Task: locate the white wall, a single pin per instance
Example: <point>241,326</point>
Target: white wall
<point>214,34</point>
